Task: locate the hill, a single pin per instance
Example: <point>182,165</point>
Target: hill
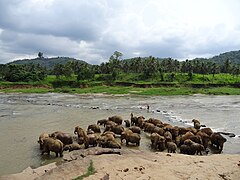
<point>233,56</point>
<point>49,63</point>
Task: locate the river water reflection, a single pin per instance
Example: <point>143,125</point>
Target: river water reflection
<point>24,116</point>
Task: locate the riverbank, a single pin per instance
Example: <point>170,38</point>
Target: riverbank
<point>118,89</point>
<point>135,164</point>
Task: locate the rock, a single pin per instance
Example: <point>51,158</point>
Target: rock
<point>73,155</point>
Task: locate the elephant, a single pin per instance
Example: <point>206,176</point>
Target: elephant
<point>208,131</point>
<point>116,119</point>
<point>205,138</point>
<point>140,121</point>
<point>64,137</point>
<point>111,123</point>
<point>168,136</point>
<point>134,119</point>
<point>133,138</point>
<point>154,121</point>
<point>108,132</point>
<point>182,130</point>
<point>102,122</point>
<point>41,138</point>
<point>116,129</point>
<point>82,136</point>
<point>148,127</point>
<point>171,147</point>
<point>71,147</point>
<point>125,133</point>
<point>103,139</point>
<point>111,144</point>
<point>135,129</point>
<point>192,129</point>
<point>54,145</point>
<point>198,148</point>
<point>218,140</point>
<point>158,130</point>
<point>158,142</point>
<point>184,149</point>
<point>92,139</point>
<point>185,137</point>
<point>195,148</point>
<point>127,123</point>
<point>196,139</point>
<point>95,128</point>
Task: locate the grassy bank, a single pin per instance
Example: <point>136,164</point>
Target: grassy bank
<point>163,91</point>
<point>220,84</point>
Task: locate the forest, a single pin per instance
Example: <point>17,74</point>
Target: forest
<point>138,72</point>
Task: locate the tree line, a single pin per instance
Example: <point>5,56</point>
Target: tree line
<point>148,67</point>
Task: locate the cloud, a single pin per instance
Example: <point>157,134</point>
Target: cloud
<point>93,30</point>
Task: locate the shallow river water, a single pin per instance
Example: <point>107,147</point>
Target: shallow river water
<point>24,116</point>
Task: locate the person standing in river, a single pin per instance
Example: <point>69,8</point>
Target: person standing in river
<point>148,108</point>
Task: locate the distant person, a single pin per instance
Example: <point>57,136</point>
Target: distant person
<point>148,107</point>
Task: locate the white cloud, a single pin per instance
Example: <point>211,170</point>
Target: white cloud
<point>93,30</point>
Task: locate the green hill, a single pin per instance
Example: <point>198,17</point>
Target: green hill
<point>49,63</point>
<point>233,56</point>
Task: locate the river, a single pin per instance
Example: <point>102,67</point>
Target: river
<point>24,116</point>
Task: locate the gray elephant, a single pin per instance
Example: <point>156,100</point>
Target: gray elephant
<point>116,119</point>
<point>54,145</point>
<point>134,119</point>
<point>158,142</point>
<point>116,129</point>
<point>208,131</point>
<point>102,122</point>
<point>66,138</point>
<point>41,138</point>
<point>135,129</point>
<point>133,138</point>
<point>71,147</point>
<point>127,123</point>
<point>205,138</point>
<point>95,128</point>
<point>171,147</point>
<point>218,140</point>
<point>82,136</point>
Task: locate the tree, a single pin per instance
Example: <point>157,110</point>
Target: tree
<point>85,73</point>
<point>58,70</point>
<point>40,55</point>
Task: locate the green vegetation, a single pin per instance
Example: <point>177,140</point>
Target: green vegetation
<point>91,170</point>
<point>147,76</point>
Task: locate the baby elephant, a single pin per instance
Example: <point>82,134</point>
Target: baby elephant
<point>41,139</point>
<point>54,145</point>
<point>72,147</point>
<point>172,147</point>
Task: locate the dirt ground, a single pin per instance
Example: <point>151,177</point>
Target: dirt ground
<point>135,164</point>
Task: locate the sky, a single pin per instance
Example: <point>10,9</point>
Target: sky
<point>91,30</point>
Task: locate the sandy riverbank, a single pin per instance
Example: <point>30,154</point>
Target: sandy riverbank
<point>134,164</point>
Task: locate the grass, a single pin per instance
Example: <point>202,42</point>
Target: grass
<point>91,170</point>
<point>200,84</point>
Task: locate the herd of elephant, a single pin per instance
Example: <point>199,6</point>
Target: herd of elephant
<point>189,140</point>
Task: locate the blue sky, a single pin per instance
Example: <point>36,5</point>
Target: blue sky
<point>93,30</point>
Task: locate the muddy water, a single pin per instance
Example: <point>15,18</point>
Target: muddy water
<point>24,116</point>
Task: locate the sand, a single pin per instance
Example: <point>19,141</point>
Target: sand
<point>135,164</point>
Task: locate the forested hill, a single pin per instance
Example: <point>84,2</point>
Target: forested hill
<point>233,56</point>
<point>49,63</point>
